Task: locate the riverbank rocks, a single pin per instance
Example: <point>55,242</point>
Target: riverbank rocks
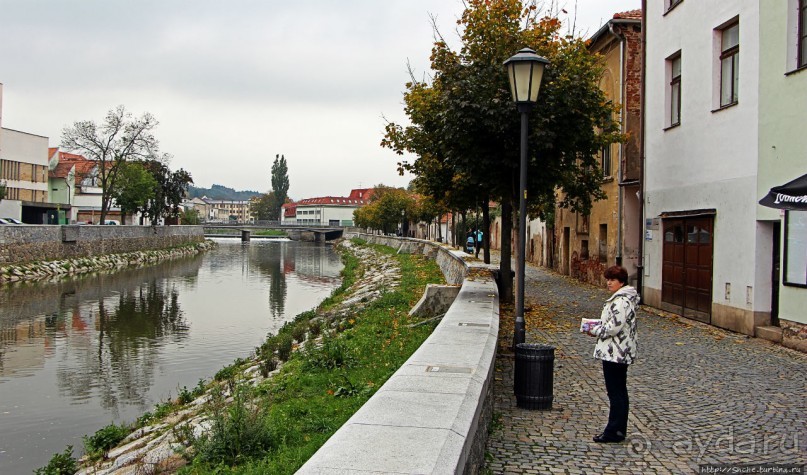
<point>157,448</point>
<point>61,268</point>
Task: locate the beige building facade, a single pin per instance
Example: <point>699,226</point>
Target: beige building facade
<point>584,246</point>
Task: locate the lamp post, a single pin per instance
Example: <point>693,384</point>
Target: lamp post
<point>403,222</point>
<point>525,70</point>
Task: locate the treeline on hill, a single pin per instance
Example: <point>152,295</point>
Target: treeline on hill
<point>219,192</point>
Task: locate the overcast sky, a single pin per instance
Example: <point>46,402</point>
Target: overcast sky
<point>234,83</point>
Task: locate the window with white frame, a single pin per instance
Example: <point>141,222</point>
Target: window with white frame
<point>675,88</point>
<point>729,63</point>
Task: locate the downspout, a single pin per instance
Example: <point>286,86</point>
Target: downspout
<point>642,101</point>
<point>623,94</point>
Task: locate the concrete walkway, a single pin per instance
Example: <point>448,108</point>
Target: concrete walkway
<point>699,395</point>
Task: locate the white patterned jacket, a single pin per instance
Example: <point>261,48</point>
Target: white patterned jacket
<point>616,335</point>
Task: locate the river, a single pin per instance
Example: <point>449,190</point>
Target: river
<point>81,353</point>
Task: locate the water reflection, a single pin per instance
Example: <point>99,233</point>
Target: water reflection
<point>106,314</point>
<point>78,354</point>
<point>130,332</point>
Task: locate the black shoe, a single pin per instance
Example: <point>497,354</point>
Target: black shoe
<point>608,438</point>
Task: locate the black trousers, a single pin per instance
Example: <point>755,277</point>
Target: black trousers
<point>616,384</point>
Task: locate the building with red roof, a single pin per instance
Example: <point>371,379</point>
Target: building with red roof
<point>325,210</point>
<point>73,185</point>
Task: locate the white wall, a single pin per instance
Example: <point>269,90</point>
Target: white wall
<point>710,159</point>
<point>322,214</point>
<point>25,148</point>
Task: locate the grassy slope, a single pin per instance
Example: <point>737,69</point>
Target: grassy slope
<point>319,388</point>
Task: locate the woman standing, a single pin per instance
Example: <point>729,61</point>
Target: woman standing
<point>616,347</point>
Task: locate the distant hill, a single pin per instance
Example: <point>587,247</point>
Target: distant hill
<point>219,192</point>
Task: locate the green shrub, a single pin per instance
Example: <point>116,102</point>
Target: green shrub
<point>226,374</point>
<point>145,419</point>
<point>238,432</point>
<point>99,444</point>
<point>298,331</point>
<point>162,409</point>
<point>315,327</point>
<point>267,366</point>
<point>200,388</point>
<point>185,395</point>
<point>284,345</point>
<point>333,353</point>
<point>62,463</point>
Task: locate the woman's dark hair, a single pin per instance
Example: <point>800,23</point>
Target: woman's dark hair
<point>617,272</point>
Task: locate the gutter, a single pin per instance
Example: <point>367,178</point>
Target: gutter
<point>642,155</point>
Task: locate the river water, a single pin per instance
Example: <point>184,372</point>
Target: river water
<point>78,354</point>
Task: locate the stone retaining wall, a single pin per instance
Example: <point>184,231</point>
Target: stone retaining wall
<point>29,243</point>
<point>432,415</point>
<point>452,263</point>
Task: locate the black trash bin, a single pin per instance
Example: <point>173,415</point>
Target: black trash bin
<point>533,378</point>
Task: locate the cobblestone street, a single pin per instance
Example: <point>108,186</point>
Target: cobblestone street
<point>698,394</point>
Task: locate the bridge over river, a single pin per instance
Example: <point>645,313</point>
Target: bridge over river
<point>295,233</point>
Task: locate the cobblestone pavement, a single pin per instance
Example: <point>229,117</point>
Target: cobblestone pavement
<point>698,394</point>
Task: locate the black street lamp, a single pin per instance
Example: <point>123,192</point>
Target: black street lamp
<point>525,71</point>
<point>403,222</point>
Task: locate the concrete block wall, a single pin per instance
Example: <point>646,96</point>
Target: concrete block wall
<point>30,243</point>
<point>432,415</point>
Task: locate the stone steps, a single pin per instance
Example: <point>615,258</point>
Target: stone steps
<point>769,333</point>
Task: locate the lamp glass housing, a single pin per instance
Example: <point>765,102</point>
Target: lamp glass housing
<point>525,71</point>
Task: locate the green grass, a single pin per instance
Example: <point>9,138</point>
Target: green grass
<point>320,387</point>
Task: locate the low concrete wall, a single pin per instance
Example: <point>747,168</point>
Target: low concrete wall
<point>432,415</point>
<point>29,243</point>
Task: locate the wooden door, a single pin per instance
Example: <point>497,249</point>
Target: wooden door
<point>686,276</point>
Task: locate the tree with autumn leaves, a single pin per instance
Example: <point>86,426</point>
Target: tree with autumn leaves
<point>464,128</point>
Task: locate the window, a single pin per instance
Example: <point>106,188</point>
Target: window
<point>584,250</point>
<point>603,243</point>
<point>802,43</point>
<point>675,89</point>
<point>582,224</point>
<point>795,268</point>
<point>729,64</point>
<point>606,161</point>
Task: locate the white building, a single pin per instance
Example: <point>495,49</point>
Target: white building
<point>326,210</point>
<point>708,244</point>
<point>24,172</point>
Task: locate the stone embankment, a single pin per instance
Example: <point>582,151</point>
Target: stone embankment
<point>22,244</point>
<point>156,448</point>
<point>82,265</point>
<point>433,414</point>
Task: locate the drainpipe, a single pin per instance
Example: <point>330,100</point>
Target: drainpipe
<point>623,93</point>
<point>640,264</point>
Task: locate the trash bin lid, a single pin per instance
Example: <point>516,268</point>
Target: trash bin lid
<point>537,347</point>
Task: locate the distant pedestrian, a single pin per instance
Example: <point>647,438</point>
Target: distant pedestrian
<point>470,243</point>
<point>479,235</point>
<point>616,347</point>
